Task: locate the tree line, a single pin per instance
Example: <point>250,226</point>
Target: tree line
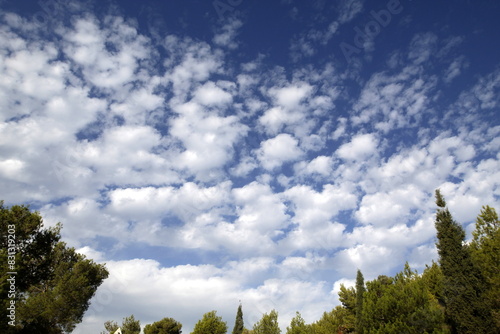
<point>458,294</point>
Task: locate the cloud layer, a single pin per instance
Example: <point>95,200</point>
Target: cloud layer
<point>238,181</point>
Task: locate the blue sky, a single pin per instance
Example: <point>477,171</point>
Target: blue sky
<point>212,152</point>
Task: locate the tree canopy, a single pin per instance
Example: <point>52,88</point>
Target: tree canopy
<point>210,324</point>
<point>460,293</point>
<point>54,283</point>
<point>164,326</point>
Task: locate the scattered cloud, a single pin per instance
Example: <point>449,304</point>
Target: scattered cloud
<point>238,178</point>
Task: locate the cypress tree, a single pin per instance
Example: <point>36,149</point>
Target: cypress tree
<point>462,286</point>
<point>360,290</point>
<point>238,323</point>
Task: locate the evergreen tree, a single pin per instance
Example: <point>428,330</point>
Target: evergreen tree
<point>463,285</point>
<point>360,290</point>
<point>210,324</point>
<point>164,326</point>
<point>339,320</point>
<point>434,281</point>
<point>402,304</point>
<point>54,283</point>
<point>238,323</point>
<point>347,313</point>
<point>485,250</point>
<point>268,324</point>
<point>298,326</point>
<point>129,326</point>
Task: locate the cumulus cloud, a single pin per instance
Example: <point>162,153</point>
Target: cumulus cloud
<point>273,185</point>
<point>360,147</point>
<point>278,150</point>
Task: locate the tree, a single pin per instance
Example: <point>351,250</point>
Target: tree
<point>360,290</point>
<point>298,326</point>
<point>347,297</point>
<point>210,324</point>
<point>111,327</point>
<point>485,251</point>
<point>50,276</point>
<point>268,324</point>
<point>129,326</point>
<point>339,320</point>
<point>463,285</point>
<point>238,323</point>
<point>164,326</point>
<point>434,281</point>
<point>402,304</point>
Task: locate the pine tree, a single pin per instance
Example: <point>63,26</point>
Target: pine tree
<point>268,324</point>
<point>164,326</point>
<point>298,325</point>
<point>238,323</point>
<point>485,249</point>
<point>210,324</point>
<point>463,284</point>
<point>54,283</point>
<point>360,290</point>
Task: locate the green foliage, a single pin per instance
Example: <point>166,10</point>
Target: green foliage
<point>54,283</point>
<point>298,326</point>
<point>164,326</point>
<point>129,326</point>
<point>268,324</point>
<point>347,297</point>
<point>485,251</point>
<point>401,305</point>
<point>210,324</point>
<point>339,320</point>
<point>434,281</point>
<point>110,326</point>
<point>238,323</point>
<point>360,291</point>
<point>463,284</point>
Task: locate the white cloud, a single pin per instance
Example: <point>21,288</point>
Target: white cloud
<point>322,165</point>
<point>349,9</point>
<point>371,260</point>
<point>422,47</point>
<point>226,37</point>
<point>455,69</point>
<point>360,147</point>
<point>208,139</point>
<point>312,208</point>
<point>389,208</point>
<point>278,150</point>
<point>211,95</point>
<point>86,44</point>
<point>178,146</point>
<point>291,96</point>
<point>260,209</point>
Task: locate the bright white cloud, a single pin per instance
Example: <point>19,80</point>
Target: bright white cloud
<point>278,150</point>
<point>266,179</point>
<point>360,147</point>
